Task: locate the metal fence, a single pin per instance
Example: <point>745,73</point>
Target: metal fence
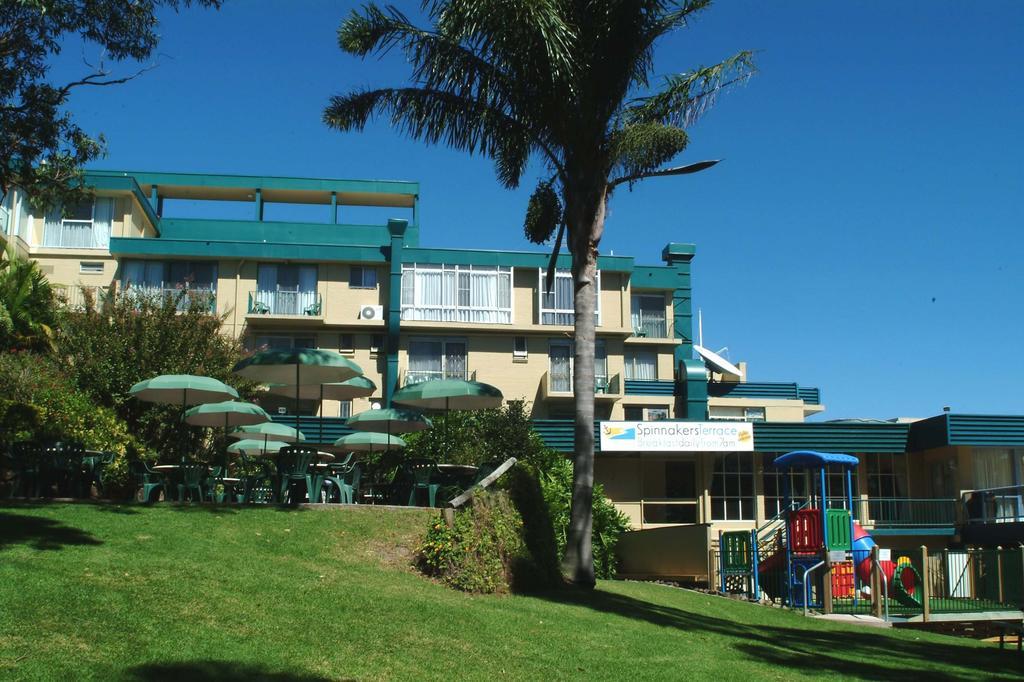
<point>995,505</point>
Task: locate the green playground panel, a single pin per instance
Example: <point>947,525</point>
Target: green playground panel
<point>736,554</point>
<point>838,523</point>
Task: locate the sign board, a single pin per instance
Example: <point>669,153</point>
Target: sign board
<point>884,554</point>
<point>836,556</point>
<point>665,436</point>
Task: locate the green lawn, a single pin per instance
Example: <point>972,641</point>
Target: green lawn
<point>138,593</point>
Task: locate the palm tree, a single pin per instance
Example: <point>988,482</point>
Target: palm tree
<point>568,82</point>
<point>28,307</point>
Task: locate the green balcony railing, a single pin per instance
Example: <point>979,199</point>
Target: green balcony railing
<point>907,512</point>
<point>293,303</point>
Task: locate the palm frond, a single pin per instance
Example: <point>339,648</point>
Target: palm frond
<point>686,96</point>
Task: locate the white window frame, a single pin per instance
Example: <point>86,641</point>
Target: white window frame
<point>450,309</point>
<point>520,355</point>
<point>444,341</point>
<point>629,358</point>
<point>363,269</point>
<point>571,345</point>
<point>737,474</point>
<point>91,270</point>
<point>636,308</point>
<point>542,310</point>
<point>291,338</point>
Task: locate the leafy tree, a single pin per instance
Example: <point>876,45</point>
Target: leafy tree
<point>120,340</point>
<point>568,82</point>
<point>28,310</point>
<point>34,125</point>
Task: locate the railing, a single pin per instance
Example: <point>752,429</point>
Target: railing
<point>76,297</point>
<point>994,505</point>
<point>70,234</point>
<point>184,297</point>
<point>562,384</point>
<point>653,325</point>
<point>906,512</point>
<point>419,376</point>
<point>297,303</point>
<point>466,314</point>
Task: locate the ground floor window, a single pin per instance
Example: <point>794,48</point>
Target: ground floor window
<point>732,487</point>
<point>773,486</point>
<point>670,491</point>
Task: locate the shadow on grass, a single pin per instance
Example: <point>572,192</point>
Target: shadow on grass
<point>116,509</point>
<point>211,671</point>
<point>869,654</point>
<point>40,533</point>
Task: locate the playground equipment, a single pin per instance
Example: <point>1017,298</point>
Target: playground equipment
<point>789,557</point>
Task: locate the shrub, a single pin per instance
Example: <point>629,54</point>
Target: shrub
<point>482,551</point>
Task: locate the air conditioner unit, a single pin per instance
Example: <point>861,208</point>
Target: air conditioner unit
<point>371,312</point>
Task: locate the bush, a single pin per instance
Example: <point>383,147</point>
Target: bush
<point>49,407</point>
<point>483,551</point>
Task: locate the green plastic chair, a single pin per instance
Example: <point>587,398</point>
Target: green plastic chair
<point>147,480</point>
<point>62,468</point>
<point>424,473</point>
<point>26,461</point>
<point>293,467</point>
<point>347,482</point>
<point>192,477</point>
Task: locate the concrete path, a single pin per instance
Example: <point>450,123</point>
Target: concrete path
<point>869,621</point>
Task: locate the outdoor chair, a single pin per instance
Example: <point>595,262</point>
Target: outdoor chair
<point>347,481</point>
<point>192,476</point>
<point>424,475</point>
<point>147,481</point>
<point>61,470</point>
<point>26,459</point>
<point>94,465</point>
<point>293,467</point>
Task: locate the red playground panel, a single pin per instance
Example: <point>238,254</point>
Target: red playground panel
<point>842,580</point>
<point>805,531</point>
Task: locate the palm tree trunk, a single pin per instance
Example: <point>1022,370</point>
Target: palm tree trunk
<point>585,228</point>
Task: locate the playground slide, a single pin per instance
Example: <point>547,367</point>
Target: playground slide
<point>903,579</point>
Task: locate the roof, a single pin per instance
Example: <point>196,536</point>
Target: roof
<point>813,459</point>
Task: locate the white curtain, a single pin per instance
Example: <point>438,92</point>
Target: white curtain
<point>993,467</point>
<point>52,226</point>
<point>459,293</point>
<point>641,366</point>
<point>560,358</point>
<point>134,273</point>
<point>424,361</point>
<point>455,360</point>
<point>102,219</point>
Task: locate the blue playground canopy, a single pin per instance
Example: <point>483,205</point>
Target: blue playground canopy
<point>813,459</point>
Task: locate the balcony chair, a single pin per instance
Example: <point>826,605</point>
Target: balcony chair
<point>313,310</point>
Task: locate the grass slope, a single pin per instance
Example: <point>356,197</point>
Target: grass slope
<point>138,593</point>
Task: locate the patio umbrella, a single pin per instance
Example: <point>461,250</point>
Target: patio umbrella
<point>259,447</point>
<point>356,387</point>
<point>285,434</point>
<point>368,441</point>
<point>226,414</point>
<point>449,394</point>
<point>389,420</point>
<point>297,367</point>
<point>181,389</point>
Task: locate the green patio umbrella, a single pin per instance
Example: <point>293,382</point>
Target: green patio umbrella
<point>285,434</point>
<point>297,367</point>
<point>182,389</point>
<point>259,447</point>
<point>448,394</point>
<point>225,414</point>
<point>389,420</point>
<point>368,441</point>
<point>356,387</point>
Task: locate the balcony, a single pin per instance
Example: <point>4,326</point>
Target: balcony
<point>410,377</point>
<point>994,505</point>
<point>559,387</point>
<point>650,325</point>
<point>76,297</point>
<point>887,515</point>
<point>285,304</point>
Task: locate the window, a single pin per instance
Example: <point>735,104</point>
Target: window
<point>753,414</point>
<point>86,225</point>
<point>376,342</point>
<point>887,481</point>
<point>457,293</point>
<point>773,491</point>
<point>157,275</point>
<point>346,343</point>
<point>436,359</point>
<point>280,342</point>
<point>557,307</point>
<point>641,365</point>
<point>732,487</point>
<point>633,413</point>
<point>519,352</point>
<point>345,409</point>
<point>560,360</point>
<point>286,290</point>
<point>670,491</point>
<point>360,277</point>
<point>88,267</point>
<point>651,413</point>
<point>735,413</point>
<point>657,414</point>
<point>647,314</point>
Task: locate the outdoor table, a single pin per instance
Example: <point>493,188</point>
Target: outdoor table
<point>458,474</point>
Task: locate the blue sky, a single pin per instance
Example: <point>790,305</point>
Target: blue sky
<point>864,233</point>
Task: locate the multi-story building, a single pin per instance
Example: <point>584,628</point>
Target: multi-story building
<point>406,313</point>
